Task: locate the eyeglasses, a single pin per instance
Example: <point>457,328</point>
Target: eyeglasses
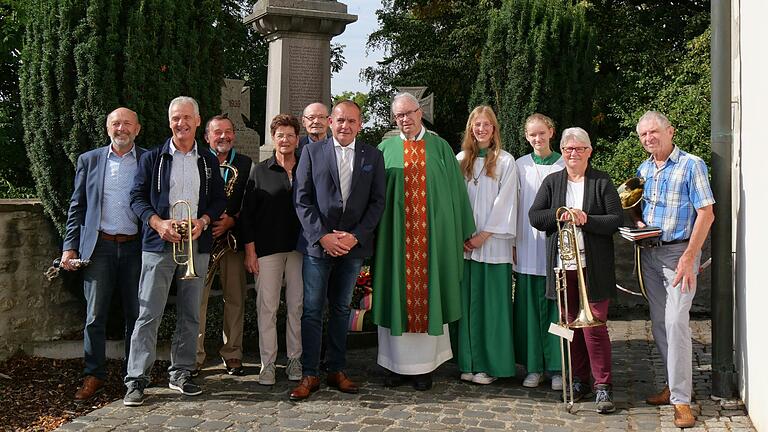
<point>577,150</point>
<point>285,136</point>
<point>315,117</point>
<point>402,116</point>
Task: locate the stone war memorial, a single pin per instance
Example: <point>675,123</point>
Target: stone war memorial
<point>299,33</point>
<point>44,318</point>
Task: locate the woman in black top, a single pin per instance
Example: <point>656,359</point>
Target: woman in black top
<point>270,232</point>
<point>592,197</point>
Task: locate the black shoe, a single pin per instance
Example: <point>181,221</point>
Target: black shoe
<point>604,399</point>
<point>422,382</point>
<point>185,386</point>
<point>393,379</point>
<point>134,396</point>
<point>580,391</point>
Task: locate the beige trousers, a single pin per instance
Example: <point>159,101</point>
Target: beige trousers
<point>232,276</point>
<point>268,285</point>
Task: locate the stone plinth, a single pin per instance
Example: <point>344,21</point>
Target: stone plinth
<point>32,309</point>
<point>299,33</point>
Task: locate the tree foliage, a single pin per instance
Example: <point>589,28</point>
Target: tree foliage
<point>685,99</point>
<point>433,43</point>
<point>639,44</point>
<point>81,59</point>
<point>538,57</point>
<point>15,181</point>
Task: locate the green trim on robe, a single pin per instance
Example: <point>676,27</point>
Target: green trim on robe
<point>535,348</point>
<point>482,338</point>
<point>549,160</point>
<point>450,222</point>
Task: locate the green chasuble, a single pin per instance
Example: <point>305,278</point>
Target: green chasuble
<point>449,223</point>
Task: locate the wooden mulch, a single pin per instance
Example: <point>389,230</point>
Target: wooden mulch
<point>37,394</point>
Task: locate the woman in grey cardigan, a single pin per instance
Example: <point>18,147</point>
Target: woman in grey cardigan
<point>592,197</point>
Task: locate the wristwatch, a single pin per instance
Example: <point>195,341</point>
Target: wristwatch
<point>205,223</point>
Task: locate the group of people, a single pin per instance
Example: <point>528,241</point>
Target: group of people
<point>464,248</point>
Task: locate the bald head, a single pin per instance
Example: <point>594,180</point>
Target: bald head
<point>122,127</point>
<point>315,121</point>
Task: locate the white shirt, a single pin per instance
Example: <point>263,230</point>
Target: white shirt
<point>185,181</point>
<point>494,206</point>
<point>574,198</point>
<point>531,243</point>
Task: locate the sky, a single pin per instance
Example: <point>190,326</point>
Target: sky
<point>355,38</point>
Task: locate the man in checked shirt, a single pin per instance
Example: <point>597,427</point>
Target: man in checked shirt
<point>678,199</point>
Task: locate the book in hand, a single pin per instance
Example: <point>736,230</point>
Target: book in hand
<point>633,234</point>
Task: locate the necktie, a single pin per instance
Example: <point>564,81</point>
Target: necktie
<point>345,174</point>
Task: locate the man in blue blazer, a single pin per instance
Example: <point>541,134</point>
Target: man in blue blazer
<point>102,229</point>
<point>339,191</point>
<point>178,170</point>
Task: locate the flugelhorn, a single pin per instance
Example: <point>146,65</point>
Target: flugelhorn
<point>183,249</point>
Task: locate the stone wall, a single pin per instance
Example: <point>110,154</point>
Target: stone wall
<point>32,309</point>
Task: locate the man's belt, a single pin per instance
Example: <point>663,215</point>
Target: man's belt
<point>673,242</point>
<point>118,238</point>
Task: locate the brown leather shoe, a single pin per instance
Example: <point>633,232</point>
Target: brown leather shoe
<point>684,416</point>
<point>307,385</point>
<point>91,386</point>
<point>661,398</point>
<point>340,381</point>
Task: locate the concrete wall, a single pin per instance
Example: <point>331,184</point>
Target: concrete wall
<point>750,91</point>
<point>32,309</point>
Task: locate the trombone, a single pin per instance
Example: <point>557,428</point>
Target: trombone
<point>182,251</point>
<point>568,251</point>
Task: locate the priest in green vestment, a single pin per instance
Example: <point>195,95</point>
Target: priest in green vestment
<point>418,263</point>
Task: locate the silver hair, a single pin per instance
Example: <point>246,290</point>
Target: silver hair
<point>575,133</point>
<point>183,100</point>
<point>658,117</point>
<point>404,95</point>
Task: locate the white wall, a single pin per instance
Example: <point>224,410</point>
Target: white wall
<point>750,78</point>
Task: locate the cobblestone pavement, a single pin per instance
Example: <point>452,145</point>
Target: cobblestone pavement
<point>241,404</point>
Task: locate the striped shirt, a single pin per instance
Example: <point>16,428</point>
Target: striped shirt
<point>673,192</point>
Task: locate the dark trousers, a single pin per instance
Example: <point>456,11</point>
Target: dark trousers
<point>331,279</point>
<point>114,267</point>
<point>591,346</point>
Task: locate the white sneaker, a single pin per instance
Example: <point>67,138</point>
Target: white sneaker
<point>267,374</point>
<point>557,382</point>
<point>533,379</point>
<point>483,378</point>
<point>467,376</point>
<point>294,369</point>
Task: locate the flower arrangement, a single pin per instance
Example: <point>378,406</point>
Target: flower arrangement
<point>362,296</point>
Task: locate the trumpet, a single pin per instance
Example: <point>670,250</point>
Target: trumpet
<point>568,249</point>
<point>182,251</point>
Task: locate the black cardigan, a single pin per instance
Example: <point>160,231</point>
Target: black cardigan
<point>604,216</point>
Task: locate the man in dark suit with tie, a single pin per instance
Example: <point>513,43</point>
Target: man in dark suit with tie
<point>339,200</point>
<point>102,229</point>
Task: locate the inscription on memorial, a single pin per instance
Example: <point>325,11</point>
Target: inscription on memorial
<point>305,82</point>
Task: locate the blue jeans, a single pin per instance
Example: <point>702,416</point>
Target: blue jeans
<point>332,279</point>
<point>157,271</point>
<point>114,266</point>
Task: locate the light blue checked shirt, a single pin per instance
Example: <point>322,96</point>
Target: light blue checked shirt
<point>673,192</point>
<point>116,214</point>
